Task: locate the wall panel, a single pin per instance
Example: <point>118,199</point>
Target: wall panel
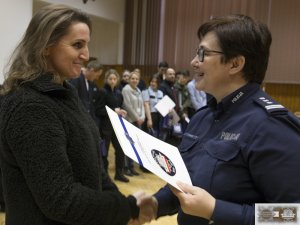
<point>284,64</point>
<point>287,94</point>
<point>182,18</point>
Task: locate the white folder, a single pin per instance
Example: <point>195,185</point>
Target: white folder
<point>162,159</point>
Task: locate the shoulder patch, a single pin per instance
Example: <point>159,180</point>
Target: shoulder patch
<point>271,106</point>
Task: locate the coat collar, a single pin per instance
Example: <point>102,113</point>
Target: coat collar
<point>45,84</point>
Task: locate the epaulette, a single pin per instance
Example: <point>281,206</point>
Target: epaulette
<point>271,106</point>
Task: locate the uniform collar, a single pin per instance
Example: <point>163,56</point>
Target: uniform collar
<point>232,100</point>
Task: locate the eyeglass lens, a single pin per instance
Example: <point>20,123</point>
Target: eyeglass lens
<point>200,54</point>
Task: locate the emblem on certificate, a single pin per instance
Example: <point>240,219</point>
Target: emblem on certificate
<point>164,162</point>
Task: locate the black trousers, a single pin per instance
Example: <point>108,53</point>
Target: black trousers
<point>156,120</point>
<point>110,137</point>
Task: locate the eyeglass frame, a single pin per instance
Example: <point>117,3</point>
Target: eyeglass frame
<point>200,51</point>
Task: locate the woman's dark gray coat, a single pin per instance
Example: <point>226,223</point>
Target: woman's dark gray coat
<point>50,160</point>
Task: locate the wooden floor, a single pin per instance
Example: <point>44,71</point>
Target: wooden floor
<point>2,218</point>
<point>147,182</point>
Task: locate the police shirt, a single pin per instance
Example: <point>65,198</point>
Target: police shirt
<point>243,150</point>
<point>153,97</point>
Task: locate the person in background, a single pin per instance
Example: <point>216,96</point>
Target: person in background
<point>49,144</point>
<point>161,70</point>
<point>113,99</point>
<point>141,85</point>
<point>167,88</point>
<point>134,105</point>
<point>241,149</point>
<point>198,97</point>
<point>151,97</point>
<point>124,79</point>
<point>90,96</point>
<point>184,100</point>
<point>86,88</point>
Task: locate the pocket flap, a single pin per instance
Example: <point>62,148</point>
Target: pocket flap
<point>187,142</point>
<point>222,150</point>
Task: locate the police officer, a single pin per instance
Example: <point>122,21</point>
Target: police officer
<point>243,148</point>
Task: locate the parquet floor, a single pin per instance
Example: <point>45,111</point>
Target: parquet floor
<point>147,182</point>
<point>2,218</point>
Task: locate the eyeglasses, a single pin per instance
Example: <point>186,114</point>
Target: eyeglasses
<point>201,52</point>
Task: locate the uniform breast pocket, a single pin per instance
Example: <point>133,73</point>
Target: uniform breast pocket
<point>207,160</point>
<point>227,168</point>
<point>222,150</point>
<point>188,142</point>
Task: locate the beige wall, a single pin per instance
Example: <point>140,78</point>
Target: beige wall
<point>284,24</point>
<point>178,21</point>
<point>105,41</point>
<point>108,21</point>
<point>14,18</point>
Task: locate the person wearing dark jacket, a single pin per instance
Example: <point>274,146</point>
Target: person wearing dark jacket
<point>241,149</point>
<point>86,88</point>
<point>124,79</point>
<point>161,70</point>
<point>167,87</point>
<point>89,94</point>
<point>113,99</point>
<point>49,145</point>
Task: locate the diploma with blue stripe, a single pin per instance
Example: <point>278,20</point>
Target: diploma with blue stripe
<point>162,159</point>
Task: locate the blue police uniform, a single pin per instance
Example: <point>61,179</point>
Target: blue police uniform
<point>243,150</point>
<point>153,97</point>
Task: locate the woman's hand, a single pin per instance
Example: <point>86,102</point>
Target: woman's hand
<point>121,112</point>
<point>140,122</point>
<point>149,123</point>
<point>195,201</point>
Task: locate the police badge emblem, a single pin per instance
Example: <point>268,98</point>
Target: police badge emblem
<point>164,162</point>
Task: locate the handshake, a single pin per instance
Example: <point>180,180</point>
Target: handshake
<point>193,200</point>
<point>148,208</point>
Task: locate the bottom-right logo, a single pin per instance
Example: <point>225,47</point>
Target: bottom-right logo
<point>276,213</point>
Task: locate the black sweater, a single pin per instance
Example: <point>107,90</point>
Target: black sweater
<point>50,160</point>
<point>111,98</point>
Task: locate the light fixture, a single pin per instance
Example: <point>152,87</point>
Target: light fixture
<point>85,1</point>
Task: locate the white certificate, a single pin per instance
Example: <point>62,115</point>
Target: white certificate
<point>165,105</point>
<point>162,159</point>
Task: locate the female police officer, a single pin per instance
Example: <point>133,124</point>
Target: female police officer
<point>243,148</point>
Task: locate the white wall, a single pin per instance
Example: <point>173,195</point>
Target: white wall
<point>109,9</point>
<point>14,18</point>
<point>16,14</point>
<point>108,28</point>
<point>104,42</point>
